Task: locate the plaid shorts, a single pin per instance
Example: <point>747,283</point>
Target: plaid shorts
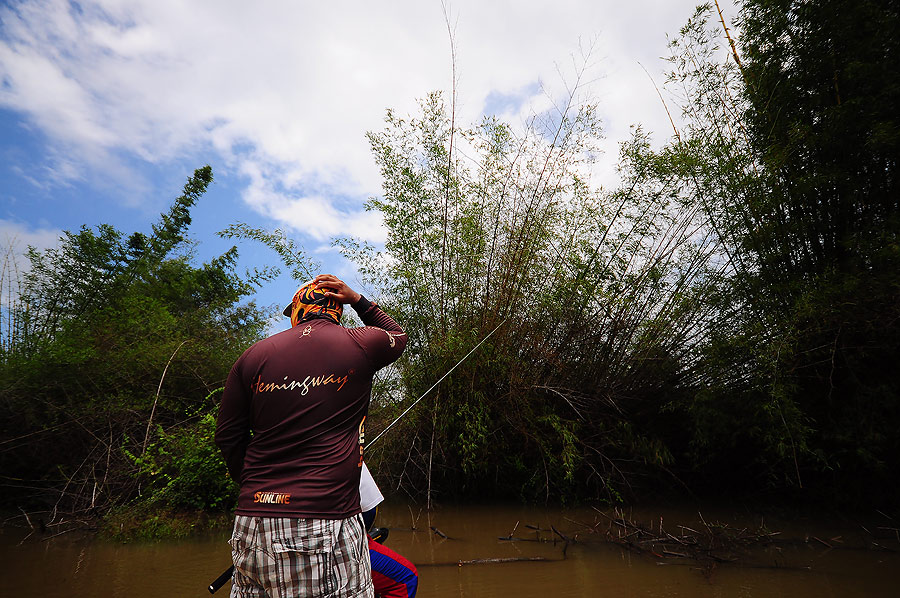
<point>300,558</point>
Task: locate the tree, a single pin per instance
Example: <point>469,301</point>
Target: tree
<point>115,336</point>
<point>595,294</point>
<point>790,148</point>
<point>823,95</point>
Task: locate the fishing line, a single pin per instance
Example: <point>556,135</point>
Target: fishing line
<point>433,386</point>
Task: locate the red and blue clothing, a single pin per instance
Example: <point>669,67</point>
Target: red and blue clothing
<point>393,575</point>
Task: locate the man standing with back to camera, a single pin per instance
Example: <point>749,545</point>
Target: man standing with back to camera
<point>291,428</point>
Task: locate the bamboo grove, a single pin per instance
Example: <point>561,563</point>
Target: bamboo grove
<point>723,319</point>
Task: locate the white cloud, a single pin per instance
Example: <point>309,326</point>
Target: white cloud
<point>286,90</point>
<point>15,238</point>
<point>314,215</point>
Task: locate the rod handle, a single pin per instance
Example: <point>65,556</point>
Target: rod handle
<point>221,580</point>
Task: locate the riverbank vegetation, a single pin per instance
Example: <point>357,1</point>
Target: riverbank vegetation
<point>723,321</point>
<point>112,355</point>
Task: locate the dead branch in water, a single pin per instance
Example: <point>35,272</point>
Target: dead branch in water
<point>706,547</point>
<point>515,559</point>
<point>719,543</point>
<point>487,561</point>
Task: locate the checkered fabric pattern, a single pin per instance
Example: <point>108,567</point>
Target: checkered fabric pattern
<point>300,558</point>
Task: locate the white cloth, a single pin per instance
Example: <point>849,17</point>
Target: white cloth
<point>369,494</point>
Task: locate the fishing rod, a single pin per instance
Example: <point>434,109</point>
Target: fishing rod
<point>433,386</point>
<point>226,575</point>
<point>221,580</point>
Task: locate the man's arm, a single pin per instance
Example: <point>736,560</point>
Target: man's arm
<point>382,339</point>
<point>233,424</point>
<point>392,574</point>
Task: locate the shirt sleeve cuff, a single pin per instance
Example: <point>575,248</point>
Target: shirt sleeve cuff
<point>362,306</point>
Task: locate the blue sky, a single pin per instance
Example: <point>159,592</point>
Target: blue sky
<point>107,106</point>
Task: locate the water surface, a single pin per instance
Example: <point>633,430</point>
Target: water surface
<point>460,553</point>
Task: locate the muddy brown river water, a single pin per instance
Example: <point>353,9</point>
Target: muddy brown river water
<point>806,557</point>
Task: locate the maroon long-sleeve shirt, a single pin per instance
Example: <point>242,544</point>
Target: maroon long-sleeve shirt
<point>304,395</point>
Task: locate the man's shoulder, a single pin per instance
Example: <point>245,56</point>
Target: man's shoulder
<point>314,330</point>
<point>277,337</point>
<point>267,344</point>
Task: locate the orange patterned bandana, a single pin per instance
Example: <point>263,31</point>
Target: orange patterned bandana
<point>310,302</point>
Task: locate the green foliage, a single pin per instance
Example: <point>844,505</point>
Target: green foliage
<point>823,95</point>
<point>729,313</point>
<point>117,337</point>
<point>289,251</point>
<point>785,151</point>
<point>185,470</point>
<point>595,293</point>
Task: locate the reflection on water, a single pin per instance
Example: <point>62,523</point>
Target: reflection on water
<point>801,567</point>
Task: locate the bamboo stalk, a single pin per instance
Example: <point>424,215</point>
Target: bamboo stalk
<point>156,400</point>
